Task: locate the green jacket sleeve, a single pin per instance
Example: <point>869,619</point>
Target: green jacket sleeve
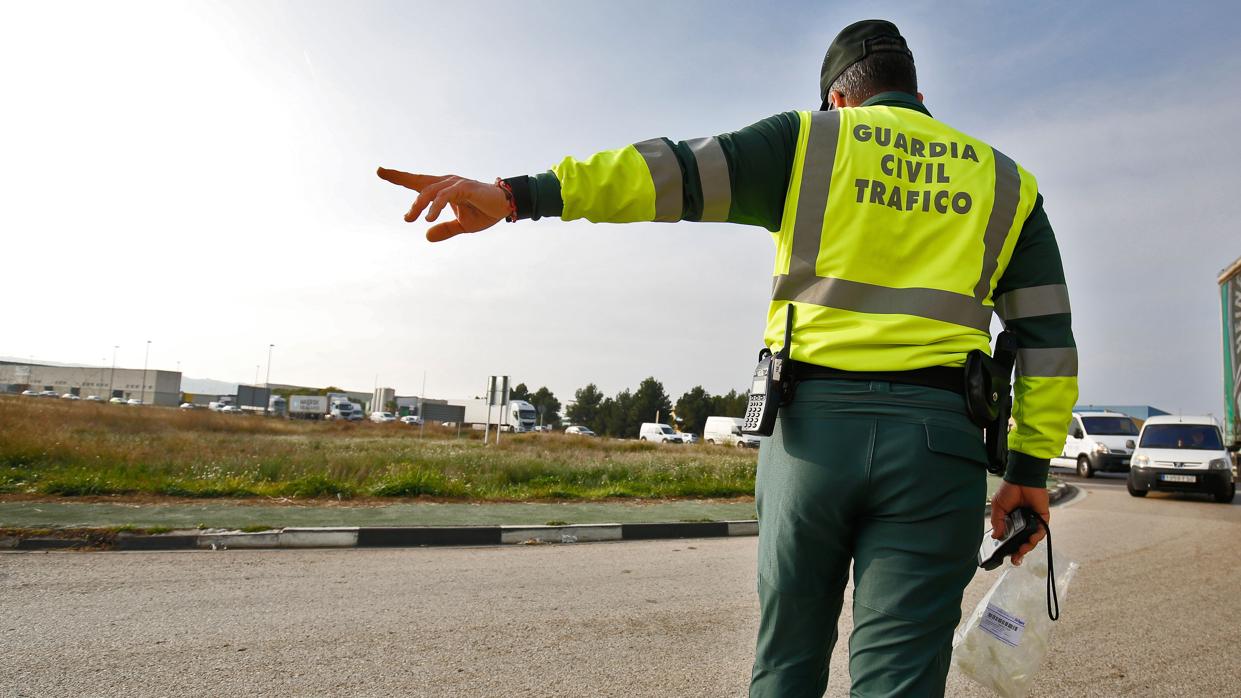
<point>738,177</point>
<point>1032,300</point>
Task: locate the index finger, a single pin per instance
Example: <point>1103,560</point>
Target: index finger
<point>997,520</point>
<point>417,182</point>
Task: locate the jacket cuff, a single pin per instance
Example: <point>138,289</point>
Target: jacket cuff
<point>536,196</point>
<point>1026,470</point>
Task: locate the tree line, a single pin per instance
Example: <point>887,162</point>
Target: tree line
<point>623,414</point>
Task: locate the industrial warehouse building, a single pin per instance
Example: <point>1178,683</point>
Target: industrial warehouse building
<point>152,387</point>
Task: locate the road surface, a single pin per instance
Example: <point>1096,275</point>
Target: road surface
<point>1154,611</point>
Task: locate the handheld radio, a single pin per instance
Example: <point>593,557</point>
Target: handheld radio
<point>1019,526</point>
<point>768,387</point>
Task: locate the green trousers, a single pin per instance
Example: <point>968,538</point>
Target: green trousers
<point>890,478</point>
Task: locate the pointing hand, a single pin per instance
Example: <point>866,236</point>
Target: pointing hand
<point>477,206</point>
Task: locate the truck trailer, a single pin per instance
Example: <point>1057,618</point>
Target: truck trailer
<point>307,406</point>
<point>1230,306</point>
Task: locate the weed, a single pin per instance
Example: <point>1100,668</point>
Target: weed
<point>317,485</point>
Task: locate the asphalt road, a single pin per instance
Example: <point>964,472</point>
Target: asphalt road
<point>1154,611</point>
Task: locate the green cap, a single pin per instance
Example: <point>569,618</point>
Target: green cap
<point>855,42</point>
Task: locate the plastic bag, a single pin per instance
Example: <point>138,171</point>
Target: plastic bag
<point>1003,643</point>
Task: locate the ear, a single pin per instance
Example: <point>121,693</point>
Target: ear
<point>919,95</point>
<point>837,98</point>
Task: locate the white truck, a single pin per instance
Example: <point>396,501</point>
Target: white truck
<point>341,407</point>
<point>519,416</point>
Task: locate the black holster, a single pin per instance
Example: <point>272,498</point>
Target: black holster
<point>988,397</point>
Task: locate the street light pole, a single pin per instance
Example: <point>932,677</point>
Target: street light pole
<point>422,400</point>
<point>267,380</point>
<point>112,376</point>
<point>145,357</point>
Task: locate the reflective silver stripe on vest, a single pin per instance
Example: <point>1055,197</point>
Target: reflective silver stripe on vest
<point>816,182</point>
<point>930,303</point>
<point>717,189</point>
<point>1003,209</point>
<point>666,176</point>
<point>1052,299</point>
<point>1047,363</point>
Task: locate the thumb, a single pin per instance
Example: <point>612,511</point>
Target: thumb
<point>442,231</point>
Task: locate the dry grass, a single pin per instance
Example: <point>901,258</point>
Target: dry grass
<point>55,447</point>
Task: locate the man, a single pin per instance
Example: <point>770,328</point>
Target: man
<point>896,238</point>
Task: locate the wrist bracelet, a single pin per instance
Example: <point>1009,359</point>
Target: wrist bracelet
<point>508,195</point>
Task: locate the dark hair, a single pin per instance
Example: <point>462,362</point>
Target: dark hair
<point>883,71</point>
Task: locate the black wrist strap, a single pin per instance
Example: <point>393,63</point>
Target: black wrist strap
<point>1052,596</point>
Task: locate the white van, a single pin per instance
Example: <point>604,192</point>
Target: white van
<point>1098,442</point>
<point>726,431</point>
<point>1182,454</point>
<point>659,433</point>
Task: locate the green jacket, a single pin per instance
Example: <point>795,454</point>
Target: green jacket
<point>759,162</point>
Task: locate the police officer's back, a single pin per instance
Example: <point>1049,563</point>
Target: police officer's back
<point>896,237</point>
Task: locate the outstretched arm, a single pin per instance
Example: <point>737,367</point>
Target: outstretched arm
<point>738,177</point>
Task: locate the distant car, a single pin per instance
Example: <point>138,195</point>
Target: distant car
<point>133,401</point>
<point>188,406</point>
<point>1182,454</point>
<point>450,424</point>
<point>412,420</point>
<point>49,393</point>
<point>580,431</point>
<point>93,398</point>
<point>117,401</point>
<point>230,409</point>
<point>1098,442</point>
<point>30,393</point>
<point>382,417</point>
<point>689,438</point>
<point>69,396</point>
<point>659,433</point>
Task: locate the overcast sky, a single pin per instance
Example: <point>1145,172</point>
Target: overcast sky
<point>202,175</point>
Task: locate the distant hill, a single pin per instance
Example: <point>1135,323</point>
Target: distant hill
<point>41,362</point>
<point>207,386</point>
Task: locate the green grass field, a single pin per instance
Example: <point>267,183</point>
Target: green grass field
<point>74,449</point>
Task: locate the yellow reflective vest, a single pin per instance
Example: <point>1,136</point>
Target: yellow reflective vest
<point>896,230</point>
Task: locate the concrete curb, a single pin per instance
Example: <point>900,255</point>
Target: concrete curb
<point>414,536</point>
<point>395,536</point>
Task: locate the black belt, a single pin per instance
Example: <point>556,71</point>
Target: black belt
<point>948,378</point>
